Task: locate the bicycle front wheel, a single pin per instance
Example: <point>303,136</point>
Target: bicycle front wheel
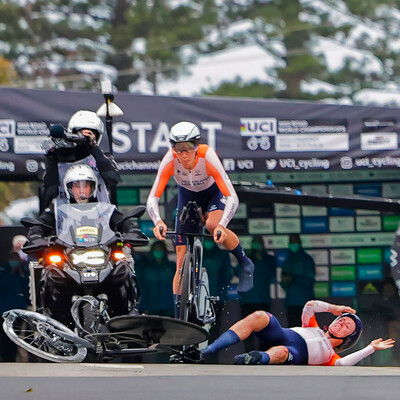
<point>185,288</point>
<point>43,336</point>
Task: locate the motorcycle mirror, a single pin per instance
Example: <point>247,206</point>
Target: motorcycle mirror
<point>137,212</point>
<point>29,221</point>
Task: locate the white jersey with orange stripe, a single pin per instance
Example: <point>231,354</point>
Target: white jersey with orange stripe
<point>207,170</point>
<point>319,347</point>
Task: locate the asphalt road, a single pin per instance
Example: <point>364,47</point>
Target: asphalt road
<point>42,381</point>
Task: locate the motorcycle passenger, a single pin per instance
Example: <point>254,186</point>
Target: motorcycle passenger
<point>85,130</point>
<point>200,177</point>
<point>56,288</point>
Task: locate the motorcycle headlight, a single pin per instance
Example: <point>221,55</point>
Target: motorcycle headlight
<point>95,258</point>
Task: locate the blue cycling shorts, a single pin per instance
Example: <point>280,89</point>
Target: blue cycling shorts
<point>275,335</point>
<point>208,200</point>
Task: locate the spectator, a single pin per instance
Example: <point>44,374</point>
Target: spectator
<point>14,292</point>
<point>298,277</point>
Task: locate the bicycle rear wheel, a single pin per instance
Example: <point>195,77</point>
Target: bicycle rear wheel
<point>185,288</point>
<point>43,336</point>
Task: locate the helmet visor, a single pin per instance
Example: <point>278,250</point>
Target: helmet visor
<point>187,147</point>
<point>81,191</point>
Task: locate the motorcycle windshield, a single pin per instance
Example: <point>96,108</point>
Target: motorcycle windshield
<point>84,225</point>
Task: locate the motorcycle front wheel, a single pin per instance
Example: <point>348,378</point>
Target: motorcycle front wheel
<point>43,336</point>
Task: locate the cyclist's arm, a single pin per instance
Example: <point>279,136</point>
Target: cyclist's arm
<point>216,170</point>
<point>354,358</point>
<point>165,171</point>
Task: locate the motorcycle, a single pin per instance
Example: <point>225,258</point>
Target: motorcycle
<point>94,324</point>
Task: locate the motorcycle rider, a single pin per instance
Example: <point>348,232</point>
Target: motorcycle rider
<point>56,288</point>
<point>85,131</point>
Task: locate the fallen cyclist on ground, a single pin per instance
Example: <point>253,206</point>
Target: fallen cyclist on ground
<point>305,345</point>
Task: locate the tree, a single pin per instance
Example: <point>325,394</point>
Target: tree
<point>169,36</point>
<point>298,32</point>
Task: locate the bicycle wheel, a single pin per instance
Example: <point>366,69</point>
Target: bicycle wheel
<point>43,336</point>
<point>185,288</point>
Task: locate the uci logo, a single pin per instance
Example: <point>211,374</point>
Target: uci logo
<point>258,126</point>
<point>7,128</point>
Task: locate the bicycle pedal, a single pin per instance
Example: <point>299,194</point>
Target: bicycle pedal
<point>213,298</point>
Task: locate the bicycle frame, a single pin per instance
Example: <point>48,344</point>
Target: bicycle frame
<point>196,303</point>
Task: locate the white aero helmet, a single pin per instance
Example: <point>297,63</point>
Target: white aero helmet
<point>80,173</point>
<point>84,119</point>
<point>184,132</point>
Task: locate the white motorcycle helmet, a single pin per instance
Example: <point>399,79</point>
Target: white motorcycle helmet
<point>184,132</point>
<point>84,119</point>
<point>80,173</point>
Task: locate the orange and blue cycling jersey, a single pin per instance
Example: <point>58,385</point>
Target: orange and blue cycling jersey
<point>306,345</point>
<point>207,183</point>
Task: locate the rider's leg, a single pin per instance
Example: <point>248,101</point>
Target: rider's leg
<point>180,254</point>
<point>232,244</point>
<point>274,355</point>
<point>241,330</point>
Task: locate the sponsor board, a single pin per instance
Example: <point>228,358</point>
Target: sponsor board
<point>321,273</point>
<point>260,225</point>
<point>391,190</point>
<point>32,129</point>
<point>334,211</point>
<point>343,289</point>
<point>314,224</point>
<point>321,289</point>
<point>367,212</point>
<point>374,190</point>
<point>379,141</point>
<point>391,222</point>
<point>342,256</point>
<point>287,210</point>
<point>276,242</point>
<point>311,142</point>
<point>341,224</point>
<point>320,257</point>
<point>341,190</point>
<point>369,256</point>
<point>29,145</point>
<point>370,272</point>
<point>347,240</point>
<point>287,225</point>
<point>368,223</point>
<point>343,272</point>
<point>314,189</point>
<point>313,211</point>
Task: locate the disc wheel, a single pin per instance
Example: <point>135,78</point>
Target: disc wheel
<point>43,336</point>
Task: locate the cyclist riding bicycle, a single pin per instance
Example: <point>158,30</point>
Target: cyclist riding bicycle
<point>201,178</point>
